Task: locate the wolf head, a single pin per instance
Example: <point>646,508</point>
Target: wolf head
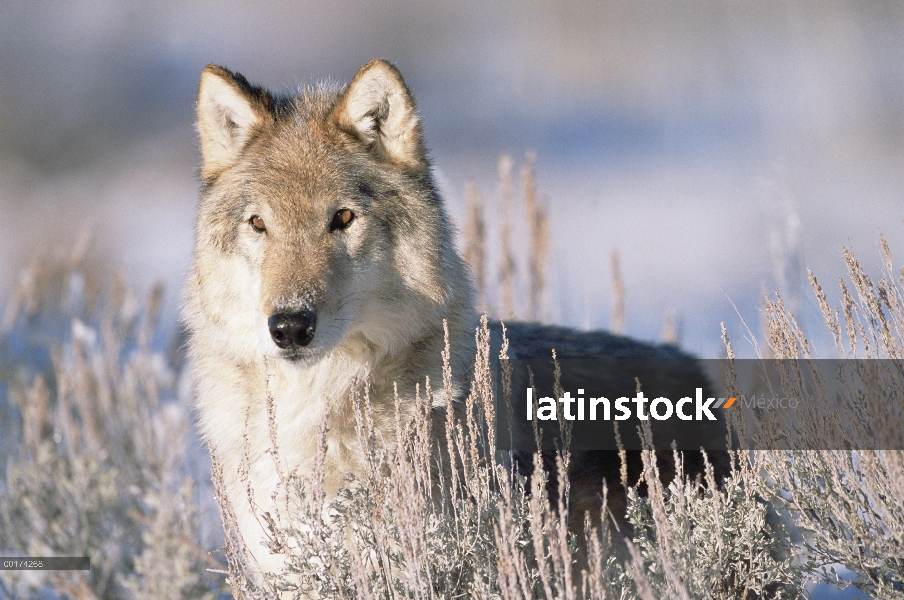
<point>320,226</point>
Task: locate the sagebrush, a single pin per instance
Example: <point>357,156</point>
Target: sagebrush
<point>95,444</point>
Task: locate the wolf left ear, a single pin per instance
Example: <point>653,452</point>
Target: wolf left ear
<point>230,112</point>
<point>378,110</point>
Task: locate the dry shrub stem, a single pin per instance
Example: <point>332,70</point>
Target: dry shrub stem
<point>618,294</point>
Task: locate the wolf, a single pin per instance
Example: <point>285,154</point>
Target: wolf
<point>323,253</point>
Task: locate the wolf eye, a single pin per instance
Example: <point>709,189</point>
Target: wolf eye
<point>342,219</point>
<point>257,224</point>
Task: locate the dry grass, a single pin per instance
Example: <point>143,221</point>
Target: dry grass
<point>475,240</point>
<point>98,468</point>
<point>618,294</point>
<point>538,231</point>
<point>848,503</point>
<point>97,464</point>
<point>507,259</point>
<point>535,210</point>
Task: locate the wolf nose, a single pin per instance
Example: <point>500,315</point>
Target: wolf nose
<point>292,330</point>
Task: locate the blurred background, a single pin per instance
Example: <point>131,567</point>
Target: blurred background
<point>722,148</point>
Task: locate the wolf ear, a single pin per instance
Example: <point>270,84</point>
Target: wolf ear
<point>230,112</point>
<point>377,109</point>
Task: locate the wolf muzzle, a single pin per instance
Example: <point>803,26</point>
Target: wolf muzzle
<point>291,331</point>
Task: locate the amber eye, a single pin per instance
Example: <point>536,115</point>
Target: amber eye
<point>257,224</point>
<point>342,219</point>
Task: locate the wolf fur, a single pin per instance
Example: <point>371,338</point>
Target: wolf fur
<point>353,293</point>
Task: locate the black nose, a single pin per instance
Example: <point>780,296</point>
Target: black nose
<point>292,330</point>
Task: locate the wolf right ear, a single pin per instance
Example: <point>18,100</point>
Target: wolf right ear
<point>230,112</point>
<point>378,111</point>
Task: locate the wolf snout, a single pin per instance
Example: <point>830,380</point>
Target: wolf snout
<point>292,330</point>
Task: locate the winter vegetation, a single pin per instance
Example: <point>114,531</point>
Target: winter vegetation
<point>98,461</point>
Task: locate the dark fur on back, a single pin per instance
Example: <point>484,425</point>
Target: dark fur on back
<point>532,340</point>
<point>675,369</point>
